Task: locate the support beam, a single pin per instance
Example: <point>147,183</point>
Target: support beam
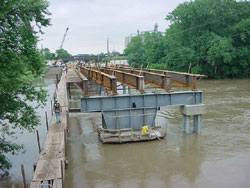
<point>153,79</point>
<point>108,81</point>
<point>84,82</point>
<point>104,103</point>
<point>129,79</point>
<point>177,78</point>
<point>180,78</point>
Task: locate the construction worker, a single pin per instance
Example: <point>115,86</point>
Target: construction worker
<point>57,109</point>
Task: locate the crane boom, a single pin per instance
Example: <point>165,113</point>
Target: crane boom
<point>64,36</point>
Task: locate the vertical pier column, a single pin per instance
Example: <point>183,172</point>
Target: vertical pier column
<point>192,110</point>
<point>167,83</point>
<point>85,87</point>
<point>129,90</point>
<point>140,83</point>
<point>186,123</point>
<point>197,124</point>
<point>124,89</point>
<point>113,84</point>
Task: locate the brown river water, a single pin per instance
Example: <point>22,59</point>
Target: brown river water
<point>218,157</point>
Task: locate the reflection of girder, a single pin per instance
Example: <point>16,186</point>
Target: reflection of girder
<point>108,81</point>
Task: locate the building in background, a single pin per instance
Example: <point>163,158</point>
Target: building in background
<point>128,38</point>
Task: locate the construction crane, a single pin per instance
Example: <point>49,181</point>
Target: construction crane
<point>58,63</point>
<point>64,36</point>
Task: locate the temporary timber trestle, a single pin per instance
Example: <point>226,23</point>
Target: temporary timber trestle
<point>49,170</point>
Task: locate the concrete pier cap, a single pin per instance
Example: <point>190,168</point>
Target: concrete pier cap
<point>192,110</point>
<point>196,109</point>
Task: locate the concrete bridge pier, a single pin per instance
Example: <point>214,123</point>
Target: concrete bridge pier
<point>192,110</point>
<point>197,124</point>
<point>129,90</point>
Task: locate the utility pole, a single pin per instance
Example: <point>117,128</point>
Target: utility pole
<point>108,52</point>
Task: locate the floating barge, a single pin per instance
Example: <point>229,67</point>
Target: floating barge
<point>110,136</point>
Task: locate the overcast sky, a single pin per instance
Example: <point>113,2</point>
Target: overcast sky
<point>91,22</point>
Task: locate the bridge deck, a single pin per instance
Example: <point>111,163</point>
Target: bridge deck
<point>53,152</point>
<point>72,76</point>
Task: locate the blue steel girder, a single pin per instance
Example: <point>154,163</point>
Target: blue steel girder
<point>123,102</point>
<point>130,118</point>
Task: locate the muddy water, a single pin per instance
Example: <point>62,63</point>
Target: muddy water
<point>218,157</point>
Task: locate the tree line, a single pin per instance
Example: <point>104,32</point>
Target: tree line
<point>205,36</point>
<point>61,53</point>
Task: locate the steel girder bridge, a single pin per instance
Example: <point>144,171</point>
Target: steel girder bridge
<point>124,114</point>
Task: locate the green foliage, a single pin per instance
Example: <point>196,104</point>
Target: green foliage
<point>47,55</point>
<point>115,54</point>
<point>135,51</point>
<point>19,59</point>
<point>84,55</point>
<point>210,35</point>
<point>61,53</point>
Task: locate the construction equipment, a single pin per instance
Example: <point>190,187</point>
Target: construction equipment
<point>64,36</point>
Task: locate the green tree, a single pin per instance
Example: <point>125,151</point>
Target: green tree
<point>135,51</point>
<point>210,35</point>
<point>19,59</point>
<point>115,53</point>
<point>47,55</point>
<point>146,49</point>
<point>61,53</point>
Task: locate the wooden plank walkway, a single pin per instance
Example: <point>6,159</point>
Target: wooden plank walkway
<point>50,166</point>
<point>72,76</point>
